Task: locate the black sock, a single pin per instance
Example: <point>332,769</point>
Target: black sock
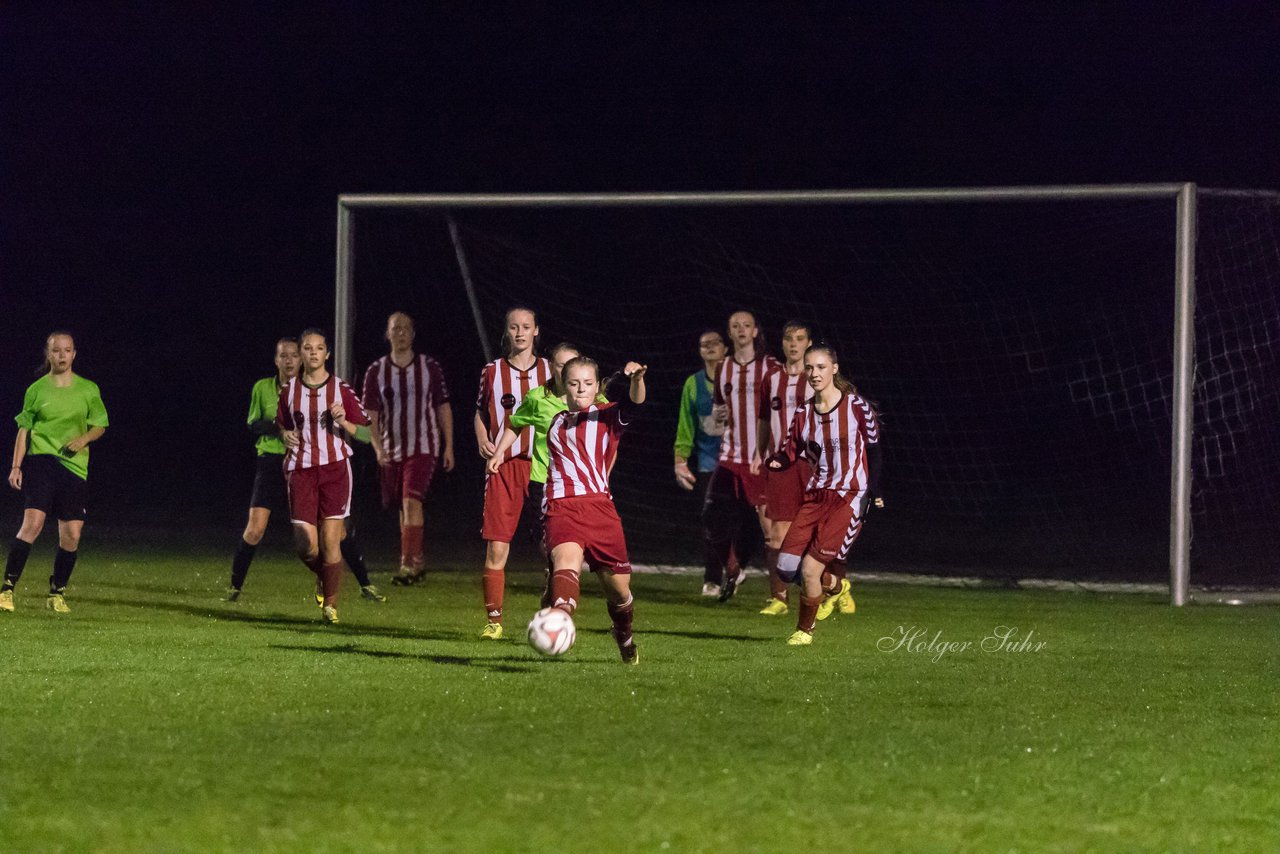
<point>64,562</point>
<point>355,559</point>
<point>240,563</point>
<point>19,551</point>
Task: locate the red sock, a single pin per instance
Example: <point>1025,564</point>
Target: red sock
<point>331,576</point>
<point>830,583</point>
<point>565,590</point>
<point>411,546</point>
<point>808,613</point>
<point>546,586</point>
<point>494,582</point>
<point>316,565</point>
<point>777,587</point>
<point>621,616</point>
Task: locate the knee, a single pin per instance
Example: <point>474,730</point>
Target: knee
<point>788,567</point>
<point>68,541</point>
<point>253,534</point>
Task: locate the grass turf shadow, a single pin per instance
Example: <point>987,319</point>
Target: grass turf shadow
<point>499,665</point>
<point>280,621</point>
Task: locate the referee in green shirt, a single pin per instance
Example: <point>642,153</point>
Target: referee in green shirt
<point>62,413</point>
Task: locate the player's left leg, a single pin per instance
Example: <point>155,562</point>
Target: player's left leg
<point>64,563</point>
<point>621,606</point>
<point>566,558</point>
<point>331,534</point>
<point>811,569</point>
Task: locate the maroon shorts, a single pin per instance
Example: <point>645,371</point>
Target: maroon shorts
<point>320,492</point>
<point>410,478</point>
<point>826,526</point>
<point>504,496</point>
<point>747,486</point>
<point>784,491</point>
<point>592,522</point>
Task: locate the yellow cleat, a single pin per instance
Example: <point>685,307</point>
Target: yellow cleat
<point>330,614</point>
<point>800,638</point>
<point>774,608</point>
<point>827,607</point>
<point>57,603</point>
<point>492,631</point>
<point>6,600</point>
<point>844,599</point>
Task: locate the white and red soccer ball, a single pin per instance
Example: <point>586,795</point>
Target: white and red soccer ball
<point>551,632</point>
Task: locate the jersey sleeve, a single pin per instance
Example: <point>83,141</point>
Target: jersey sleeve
<point>486,389</point>
<point>97,416</point>
<point>870,423</point>
<point>351,403</point>
<point>687,419</point>
<point>372,394</point>
<point>284,413</point>
<point>438,390</point>
<point>26,419</point>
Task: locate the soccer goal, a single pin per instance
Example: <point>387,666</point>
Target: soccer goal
<point>1076,382</point>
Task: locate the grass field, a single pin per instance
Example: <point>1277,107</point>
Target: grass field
<point>155,717</point>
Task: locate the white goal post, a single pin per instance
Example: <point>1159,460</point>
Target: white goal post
<point>1182,326</point>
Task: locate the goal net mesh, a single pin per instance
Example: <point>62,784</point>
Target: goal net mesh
<point>1020,355</point>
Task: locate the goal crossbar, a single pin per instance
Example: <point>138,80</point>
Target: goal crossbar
<point>1184,194</point>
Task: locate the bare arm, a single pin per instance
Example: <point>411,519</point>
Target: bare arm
<point>445,413</point>
<point>19,453</point>
<point>78,443</point>
<point>482,437</point>
<point>495,459</point>
<point>375,435</point>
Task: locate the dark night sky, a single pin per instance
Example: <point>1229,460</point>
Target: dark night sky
<point>169,171</point>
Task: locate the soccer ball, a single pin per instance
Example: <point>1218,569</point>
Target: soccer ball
<point>551,632</point>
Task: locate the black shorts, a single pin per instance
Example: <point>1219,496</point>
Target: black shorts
<point>53,489</point>
<point>269,488</point>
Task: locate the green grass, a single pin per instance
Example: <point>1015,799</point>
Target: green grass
<point>155,717</point>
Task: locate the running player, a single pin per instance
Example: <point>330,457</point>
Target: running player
<point>62,413</point>
<point>785,389</point>
<point>412,420</point>
<point>733,514</point>
<point>837,430</point>
<point>269,490</point>
<point>319,410</point>
<point>698,441</point>
<point>582,523</point>
<point>503,384</point>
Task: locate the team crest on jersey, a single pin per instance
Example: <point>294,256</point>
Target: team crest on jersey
<point>326,420</point>
<point>508,401</point>
<point>388,394</point>
<point>728,389</point>
<point>299,419</point>
<point>776,404</point>
<point>813,450</point>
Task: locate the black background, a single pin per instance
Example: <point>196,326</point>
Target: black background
<point>170,171</point>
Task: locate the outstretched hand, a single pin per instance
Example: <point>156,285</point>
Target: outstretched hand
<point>634,370</point>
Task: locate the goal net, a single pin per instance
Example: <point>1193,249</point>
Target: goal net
<point>1021,354</point>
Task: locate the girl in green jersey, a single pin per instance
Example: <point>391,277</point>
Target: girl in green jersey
<point>62,413</point>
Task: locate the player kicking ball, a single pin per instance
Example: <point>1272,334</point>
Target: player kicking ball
<point>582,523</point>
<point>838,432</point>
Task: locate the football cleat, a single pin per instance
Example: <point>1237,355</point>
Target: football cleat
<point>330,614</point>
<point>711,590</point>
<point>800,638</point>
<point>774,608</point>
<point>57,603</point>
<point>844,599</point>
<point>491,631</point>
<point>6,600</point>
<point>319,592</point>
<point>730,587</point>
<point>405,576</point>
<point>371,593</point>
<point>828,607</point>
<point>630,653</point>
<point>233,593</point>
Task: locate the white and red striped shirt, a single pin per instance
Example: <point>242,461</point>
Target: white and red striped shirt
<point>783,394</point>
<point>502,387</point>
<point>406,399</point>
<point>582,447</point>
<point>741,387</point>
<point>306,410</point>
<point>835,443</point>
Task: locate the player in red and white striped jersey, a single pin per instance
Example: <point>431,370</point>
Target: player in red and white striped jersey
<point>786,388</point>
<point>412,429</point>
<point>839,433</point>
<point>503,384</point>
<point>735,495</point>
<point>581,522</point>
<point>315,411</point>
